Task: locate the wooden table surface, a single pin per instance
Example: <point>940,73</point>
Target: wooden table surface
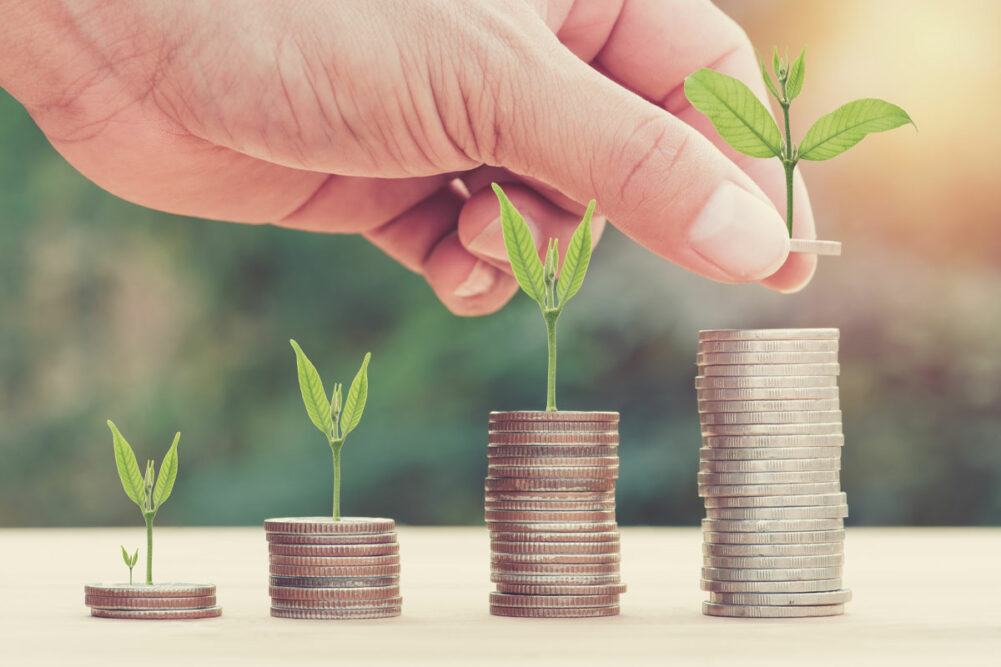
<point>922,597</point>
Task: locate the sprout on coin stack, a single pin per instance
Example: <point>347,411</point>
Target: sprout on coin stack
<point>769,473</point>
<point>550,490</point>
<point>333,567</point>
<point>148,601</point>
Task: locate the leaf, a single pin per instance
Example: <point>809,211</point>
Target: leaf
<point>521,250</point>
<point>739,117</point>
<point>354,404</point>
<point>776,62</point>
<point>126,557</point>
<point>795,83</point>
<point>165,478</point>
<point>313,395</point>
<point>128,467</point>
<point>768,79</point>
<point>135,557</point>
<point>577,258</point>
<point>847,125</point>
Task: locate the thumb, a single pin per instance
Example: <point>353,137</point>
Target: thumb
<point>657,179</point>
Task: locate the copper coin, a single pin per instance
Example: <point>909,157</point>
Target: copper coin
<point>333,582</point>
<point>501,558</point>
<point>783,599</point>
<point>361,539</point>
<point>554,568</point>
<point>556,612</point>
<point>550,472</point>
<point>549,601</point>
<point>555,461</point>
<point>738,550</point>
<point>157,614</point>
<point>590,527</point>
<point>560,452</point>
<point>611,535</point>
<point>541,439</point>
<point>799,586</point>
<point>355,603</point>
<point>582,548</point>
<point>336,614</point>
<point>346,561</point>
<point>286,593</point>
<point>334,550</point>
<point>514,495</point>
<point>543,516</point>
<point>510,426</point>
<point>334,571</point>
<point>120,602</point>
<point>557,416</point>
<point>520,484</point>
<point>169,590</point>
<point>529,589</point>
<point>326,525</point>
<point>729,490</point>
<point>802,500</point>
<point>799,537</point>
<point>821,345</point>
<point>550,505</point>
<point>553,579</point>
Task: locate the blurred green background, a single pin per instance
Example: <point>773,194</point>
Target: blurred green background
<point>165,323</point>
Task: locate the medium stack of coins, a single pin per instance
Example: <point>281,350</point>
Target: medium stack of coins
<point>769,472</point>
<point>550,508</point>
<point>323,569</point>
<point>152,602</point>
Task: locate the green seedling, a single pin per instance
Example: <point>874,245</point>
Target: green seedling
<point>336,417</point>
<point>744,122</point>
<point>539,280</point>
<point>149,491</point>
<point>130,561</point>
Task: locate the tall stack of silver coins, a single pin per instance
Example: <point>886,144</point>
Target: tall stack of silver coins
<point>323,569</point>
<point>769,472</point>
<point>550,508</point>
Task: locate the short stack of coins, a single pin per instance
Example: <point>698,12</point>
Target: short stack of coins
<point>323,569</point>
<point>550,509</point>
<point>769,473</point>
<point>153,602</point>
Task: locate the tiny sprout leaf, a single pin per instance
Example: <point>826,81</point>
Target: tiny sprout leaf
<point>768,79</point>
<point>168,473</point>
<point>313,395</point>
<point>126,557</point>
<point>128,467</point>
<point>739,117</point>
<point>135,557</point>
<point>521,250</point>
<point>354,404</point>
<point>776,63</point>
<point>847,125</point>
<point>796,72</point>
<point>577,260</point>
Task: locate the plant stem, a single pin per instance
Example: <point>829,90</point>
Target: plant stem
<point>788,163</point>
<point>148,516</point>
<point>336,447</point>
<point>551,316</point>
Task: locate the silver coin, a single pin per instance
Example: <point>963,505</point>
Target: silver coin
<point>820,345</point>
<point>794,417</point>
<point>765,394</point>
<point>796,537</point>
<point>786,405</point>
<point>778,550</point>
<point>729,490</point>
<point>773,562</point>
<point>748,611</point>
<point>500,559</point>
<point>551,537</point>
<point>554,527</point>
<point>782,599</point>
<point>801,477</point>
<point>336,614</point>
<point>832,428</point>
<point>769,334</point>
<point>802,586</point>
<point>766,382</point>
<point>333,582</point>
<point>770,525</point>
<point>549,506</point>
<point>815,247</point>
<point>763,453</point>
<point>770,465</point>
<point>769,513</point>
<point>552,472</point>
<point>804,500</point>
<point>773,574</point>
<point>555,580</point>
<point>783,441</point>
<point>770,370</point>
<point>761,358</point>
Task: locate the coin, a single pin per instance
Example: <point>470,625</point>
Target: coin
<point>747,611</point>
<point>121,602</point>
<point>751,513</point>
<point>542,496</point>
<point>610,535</point>
<point>336,614</point>
<point>760,453</point>
<point>542,516</point>
<point>770,525</point>
<point>782,599</point>
<point>795,417</point>
<point>571,569</point>
<point>800,586</point>
<point>334,571</point>
<point>549,505</point>
<point>552,427</point>
<point>326,525</point>
<point>794,537</point>
<point>590,527</point>
<point>587,548</point>
<point>540,439</point>
<point>553,579</point>
<point>564,452</point>
<point>768,562</point>
<point>333,550</point>
<point>552,472</point>
<point>786,405</point>
<point>562,558</point>
<point>765,394</point>
<point>529,589</point>
<point>537,601</point>
<point>779,550</point>
<point>558,416</point>
<point>820,345</point>
<point>767,489</point>
<point>770,370</point>
<point>774,574</point>
<point>831,428</point>
<point>780,441</point>
<point>333,582</point>
<point>779,501</point>
<point>769,334</point>
<point>157,614</point>
<point>338,604</point>
<point>556,461</point>
<point>761,358</point>
<point>801,477</point>
<point>770,465</point>
<point>167,590</point>
<point>346,561</point>
<point>815,247</point>
<point>569,484</point>
<point>559,612</point>
<point>362,539</point>
<point>333,594</point>
<point>765,382</point>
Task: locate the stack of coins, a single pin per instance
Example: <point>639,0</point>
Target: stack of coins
<point>550,508</point>
<point>152,602</point>
<point>769,471</point>
<point>323,569</point>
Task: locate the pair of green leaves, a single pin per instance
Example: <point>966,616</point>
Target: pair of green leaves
<point>142,490</point>
<point>744,122</point>
<point>335,417</point>
<point>538,280</point>
<point>130,561</point>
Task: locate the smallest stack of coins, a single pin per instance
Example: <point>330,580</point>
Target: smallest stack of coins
<point>154,602</point>
<point>323,569</point>
<point>550,508</point>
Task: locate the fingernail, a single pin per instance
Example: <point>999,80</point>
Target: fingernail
<point>489,243</point>
<point>480,280</point>
<point>739,233</point>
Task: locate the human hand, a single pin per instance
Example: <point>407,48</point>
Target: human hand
<point>390,119</point>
